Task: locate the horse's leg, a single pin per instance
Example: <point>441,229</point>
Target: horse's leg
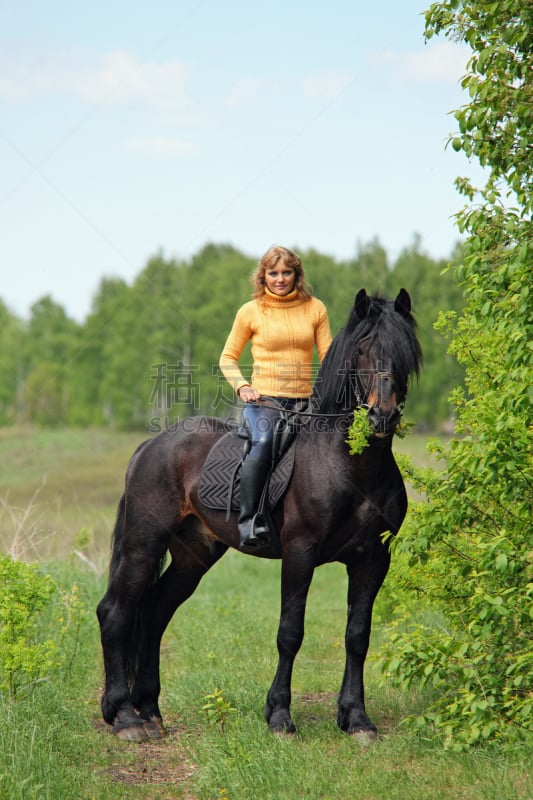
<point>365,578</point>
<point>296,576</point>
<point>119,614</point>
<point>176,585</point>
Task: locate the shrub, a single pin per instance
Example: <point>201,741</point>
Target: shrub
<point>24,660</point>
<point>470,545</point>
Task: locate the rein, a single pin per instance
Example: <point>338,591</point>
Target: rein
<point>380,442</point>
<point>296,413</point>
<point>382,374</point>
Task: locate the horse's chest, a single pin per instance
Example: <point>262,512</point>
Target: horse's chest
<point>379,508</point>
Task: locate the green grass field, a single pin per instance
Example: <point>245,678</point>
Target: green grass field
<point>55,482</point>
<point>53,744</point>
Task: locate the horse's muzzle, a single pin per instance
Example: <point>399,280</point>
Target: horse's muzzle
<point>384,423</point>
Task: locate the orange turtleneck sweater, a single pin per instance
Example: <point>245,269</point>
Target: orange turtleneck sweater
<point>283,331</point>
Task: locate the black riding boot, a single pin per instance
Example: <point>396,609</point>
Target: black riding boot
<point>253,526</point>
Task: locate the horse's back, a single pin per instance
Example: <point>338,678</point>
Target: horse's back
<point>172,460</point>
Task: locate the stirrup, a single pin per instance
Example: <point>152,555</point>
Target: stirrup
<point>259,534</point>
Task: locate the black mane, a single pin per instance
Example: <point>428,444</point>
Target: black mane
<point>389,330</point>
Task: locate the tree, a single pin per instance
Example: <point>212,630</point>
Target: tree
<point>49,357</point>
<point>144,333</point>
<point>11,365</point>
<point>93,351</point>
<point>432,288</point>
<point>470,544</point>
<point>218,283</point>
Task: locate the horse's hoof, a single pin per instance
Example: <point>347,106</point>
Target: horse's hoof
<point>365,738</point>
<point>281,725</point>
<point>131,733</point>
<point>154,728</point>
<point>290,730</point>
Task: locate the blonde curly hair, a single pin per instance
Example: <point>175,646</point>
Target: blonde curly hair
<point>271,258</point>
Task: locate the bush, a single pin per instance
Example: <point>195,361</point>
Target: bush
<point>470,545</point>
<point>24,660</point>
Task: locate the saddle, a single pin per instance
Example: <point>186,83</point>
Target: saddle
<point>219,484</point>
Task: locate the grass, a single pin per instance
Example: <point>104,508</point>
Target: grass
<point>54,746</point>
<point>55,482</point>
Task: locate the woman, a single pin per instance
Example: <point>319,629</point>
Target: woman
<point>283,323</point>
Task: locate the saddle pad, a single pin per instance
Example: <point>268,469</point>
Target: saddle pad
<point>222,461</point>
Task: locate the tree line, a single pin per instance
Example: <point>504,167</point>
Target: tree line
<point>148,352</point>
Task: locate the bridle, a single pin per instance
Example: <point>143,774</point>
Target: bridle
<point>379,375</point>
<point>294,412</point>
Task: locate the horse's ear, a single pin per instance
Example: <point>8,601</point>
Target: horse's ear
<point>402,304</point>
<point>361,304</point>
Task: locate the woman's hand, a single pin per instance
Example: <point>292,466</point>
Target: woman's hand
<point>248,394</point>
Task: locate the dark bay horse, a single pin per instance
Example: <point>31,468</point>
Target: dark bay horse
<point>336,508</point>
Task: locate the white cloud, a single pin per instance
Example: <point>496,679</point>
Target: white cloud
<point>444,62</point>
<point>118,78</point>
<point>162,146</point>
<point>326,85</point>
<point>122,78</point>
<point>247,91</point>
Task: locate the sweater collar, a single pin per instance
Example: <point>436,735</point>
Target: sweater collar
<point>275,301</point>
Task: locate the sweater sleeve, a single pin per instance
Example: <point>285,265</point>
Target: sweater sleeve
<point>322,332</point>
<point>229,360</point>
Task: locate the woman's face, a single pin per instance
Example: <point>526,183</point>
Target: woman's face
<point>280,279</point>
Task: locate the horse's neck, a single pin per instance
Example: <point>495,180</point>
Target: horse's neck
<point>333,440</point>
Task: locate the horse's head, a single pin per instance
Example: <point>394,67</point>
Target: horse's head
<point>386,354</point>
<point>370,362</point>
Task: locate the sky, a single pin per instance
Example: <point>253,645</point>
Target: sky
<point>133,128</point>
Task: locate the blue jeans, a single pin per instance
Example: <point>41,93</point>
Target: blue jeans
<point>259,420</point>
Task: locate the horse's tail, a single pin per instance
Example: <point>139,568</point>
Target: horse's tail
<point>116,538</point>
